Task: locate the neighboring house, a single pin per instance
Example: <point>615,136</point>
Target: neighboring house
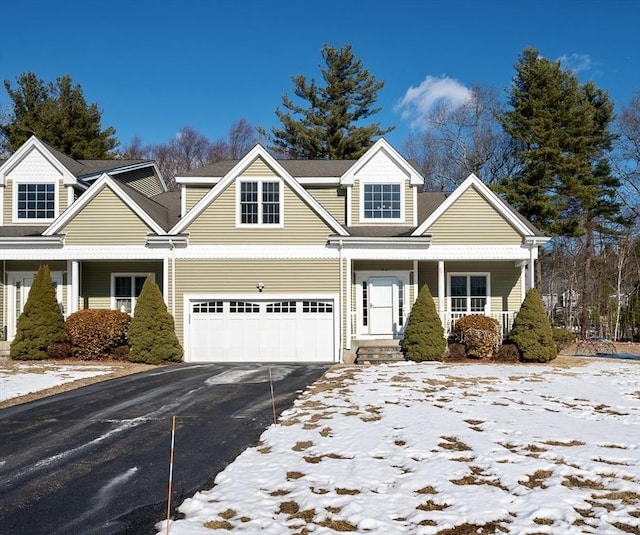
<point>262,259</point>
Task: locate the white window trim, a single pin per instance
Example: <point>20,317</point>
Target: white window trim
<point>56,201</point>
<point>259,224</point>
<point>131,275</point>
<point>375,221</point>
<point>468,274</point>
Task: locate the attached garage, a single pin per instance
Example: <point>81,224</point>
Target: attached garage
<point>266,330</point>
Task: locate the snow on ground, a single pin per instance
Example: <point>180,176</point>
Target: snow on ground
<point>432,448</point>
<point>26,378</point>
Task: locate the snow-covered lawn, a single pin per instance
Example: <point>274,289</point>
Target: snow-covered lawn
<point>435,448</point>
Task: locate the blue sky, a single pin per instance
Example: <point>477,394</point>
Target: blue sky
<point>156,66</point>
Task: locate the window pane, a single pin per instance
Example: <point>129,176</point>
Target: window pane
<point>36,201</point>
<point>479,286</point>
<point>382,201</point>
<point>123,287</point>
<point>458,286</point>
<point>249,202</point>
<point>271,203</point>
<point>139,285</point>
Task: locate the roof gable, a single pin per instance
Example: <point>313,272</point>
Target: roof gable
<point>381,154</point>
<point>491,198</point>
<point>125,194</point>
<point>33,146</point>
<point>258,152</point>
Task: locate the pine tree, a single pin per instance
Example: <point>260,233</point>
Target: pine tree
<point>329,127</point>
<point>151,335</point>
<point>41,325</point>
<point>532,332</point>
<point>58,114</point>
<point>562,130</point>
<point>424,335</point>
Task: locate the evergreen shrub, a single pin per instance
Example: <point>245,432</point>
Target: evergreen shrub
<point>563,338</point>
<point>40,328</point>
<point>97,334</point>
<point>152,337</point>
<point>532,332</point>
<point>424,335</point>
<point>480,334</point>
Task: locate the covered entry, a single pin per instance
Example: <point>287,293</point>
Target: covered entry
<point>268,330</point>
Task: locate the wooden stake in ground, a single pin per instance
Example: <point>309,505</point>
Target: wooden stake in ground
<point>273,399</point>
<point>173,441</point>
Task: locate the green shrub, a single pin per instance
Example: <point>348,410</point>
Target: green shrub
<point>563,338</point>
<point>40,327</point>
<point>507,353</point>
<point>152,337</point>
<point>480,334</point>
<point>424,335</point>
<point>97,334</point>
<point>532,332</point>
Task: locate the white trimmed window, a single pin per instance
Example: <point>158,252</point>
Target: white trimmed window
<point>260,202</point>
<point>468,292</point>
<point>125,290</point>
<point>382,202</point>
<point>35,201</point>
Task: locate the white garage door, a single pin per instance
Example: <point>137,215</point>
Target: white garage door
<point>261,330</point>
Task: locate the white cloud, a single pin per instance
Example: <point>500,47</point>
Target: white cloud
<point>419,101</point>
<point>576,62</point>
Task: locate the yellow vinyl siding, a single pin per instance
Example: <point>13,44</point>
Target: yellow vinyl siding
<point>233,277</point>
<point>96,280</point>
<point>192,194</point>
<point>217,224</point>
<point>471,220</point>
<point>504,279</point>
<point>7,205</point>
<point>259,168</point>
<point>333,200</point>
<point>106,220</point>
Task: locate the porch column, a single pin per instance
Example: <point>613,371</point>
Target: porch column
<point>349,313</point>
<point>532,275</point>
<point>73,292</point>
<point>441,289</point>
<point>523,281</point>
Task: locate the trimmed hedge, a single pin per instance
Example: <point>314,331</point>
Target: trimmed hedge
<point>97,334</point>
<point>480,335</point>
<point>424,335</point>
<point>40,330</point>
<point>532,331</point>
<point>152,336</point>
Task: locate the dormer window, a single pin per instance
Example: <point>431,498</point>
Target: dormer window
<point>35,201</point>
<point>382,202</point>
<point>260,203</point>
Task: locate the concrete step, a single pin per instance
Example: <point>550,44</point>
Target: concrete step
<point>377,354</point>
<point>4,348</point>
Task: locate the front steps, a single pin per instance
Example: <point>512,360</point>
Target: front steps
<point>379,353</point>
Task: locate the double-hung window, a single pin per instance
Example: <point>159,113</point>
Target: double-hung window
<point>468,292</point>
<point>126,288</point>
<point>35,201</point>
<point>260,202</point>
<point>382,201</point>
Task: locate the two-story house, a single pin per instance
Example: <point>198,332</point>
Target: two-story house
<point>262,259</point>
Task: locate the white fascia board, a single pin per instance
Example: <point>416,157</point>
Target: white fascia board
<point>495,201</point>
<point>80,252</point>
<point>32,242</point>
<point>236,171</point>
<point>318,180</point>
<point>415,179</point>
<point>199,180</point>
<point>106,181</point>
<point>380,242</point>
<point>33,143</point>
<point>257,252</point>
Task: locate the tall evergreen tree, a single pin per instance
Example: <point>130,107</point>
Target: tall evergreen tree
<point>562,133</point>
<point>329,126</point>
<point>58,114</point>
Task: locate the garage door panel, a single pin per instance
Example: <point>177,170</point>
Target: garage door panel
<point>269,330</point>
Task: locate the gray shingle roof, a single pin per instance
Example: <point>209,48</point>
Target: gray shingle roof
<point>296,168</point>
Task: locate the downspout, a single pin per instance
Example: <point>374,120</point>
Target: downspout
<point>4,300</point>
<point>341,291</point>
<point>173,278</point>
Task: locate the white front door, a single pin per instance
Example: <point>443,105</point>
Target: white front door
<point>381,299</point>
<point>19,286</point>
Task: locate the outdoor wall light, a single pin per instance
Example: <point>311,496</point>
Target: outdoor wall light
<point>260,286</point>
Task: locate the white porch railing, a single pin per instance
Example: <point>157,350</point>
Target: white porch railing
<point>505,319</point>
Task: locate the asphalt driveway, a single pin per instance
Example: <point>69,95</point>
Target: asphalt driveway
<point>96,460</point>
